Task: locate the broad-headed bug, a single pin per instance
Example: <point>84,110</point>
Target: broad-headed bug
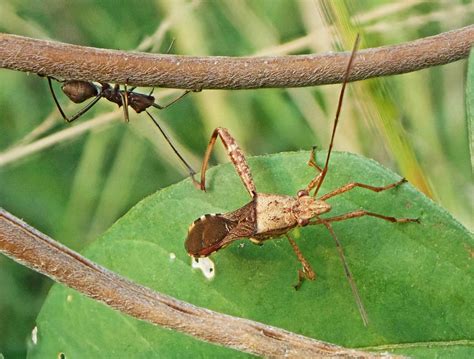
<point>271,215</point>
<point>79,91</point>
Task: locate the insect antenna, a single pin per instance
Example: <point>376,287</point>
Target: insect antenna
<point>348,273</point>
<point>336,120</point>
<point>320,180</point>
<point>175,150</point>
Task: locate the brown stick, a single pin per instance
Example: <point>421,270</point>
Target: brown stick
<point>195,73</point>
<point>35,250</point>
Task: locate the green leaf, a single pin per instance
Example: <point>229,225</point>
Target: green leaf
<point>415,279</point>
<point>470,104</point>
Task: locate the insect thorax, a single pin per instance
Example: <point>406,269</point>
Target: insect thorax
<point>274,214</point>
<point>277,214</point>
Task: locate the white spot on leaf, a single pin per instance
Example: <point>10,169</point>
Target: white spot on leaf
<point>34,335</point>
<point>172,256</point>
<point>206,265</point>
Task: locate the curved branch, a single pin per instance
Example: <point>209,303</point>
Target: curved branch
<point>218,72</point>
<point>35,250</point>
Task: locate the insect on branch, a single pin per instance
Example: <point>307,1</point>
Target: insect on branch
<point>218,72</point>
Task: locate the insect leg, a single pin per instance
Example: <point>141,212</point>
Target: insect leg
<point>350,186</point>
<point>186,164</point>
<point>307,271</point>
<point>312,163</point>
<point>56,100</point>
<point>312,160</point>
<point>236,156</point>
<point>162,107</point>
<point>314,182</point>
<point>80,112</point>
<point>361,213</point>
<point>124,95</point>
<point>348,273</point>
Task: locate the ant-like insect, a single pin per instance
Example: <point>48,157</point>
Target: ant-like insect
<point>79,91</point>
<point>271,215</point>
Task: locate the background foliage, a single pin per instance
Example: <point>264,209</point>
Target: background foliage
<point>414,124</point>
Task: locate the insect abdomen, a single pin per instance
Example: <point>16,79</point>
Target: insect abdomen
<point>205,234</point>
<point>79,91</point>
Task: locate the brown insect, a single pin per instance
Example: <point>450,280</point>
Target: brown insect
<point>271,215</point>
<point>79,91</point>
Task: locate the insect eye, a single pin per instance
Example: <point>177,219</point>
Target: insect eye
<point>303,222</point>
<point>302,193</point>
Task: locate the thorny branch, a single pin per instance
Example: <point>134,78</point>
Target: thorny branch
<point>218,72</point>
<point>35,250</point>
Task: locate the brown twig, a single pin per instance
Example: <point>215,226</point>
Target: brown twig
<point>188,72</point>
<point>35,250</point>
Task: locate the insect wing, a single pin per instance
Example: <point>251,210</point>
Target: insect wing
<point>207,233</point>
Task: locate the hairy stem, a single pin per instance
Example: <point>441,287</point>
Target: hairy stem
<point>217,72</point>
